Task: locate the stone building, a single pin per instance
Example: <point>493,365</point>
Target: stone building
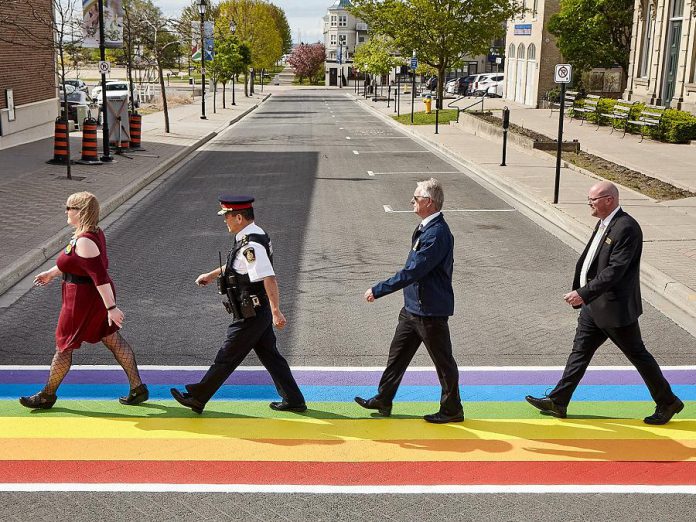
<point>28,101</point>
<point>531,53</point>
<point>342,34</point>
<point>662,68</point>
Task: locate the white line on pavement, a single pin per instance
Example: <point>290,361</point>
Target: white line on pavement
<point>370,173</point>
<point>387,208</point>
<point>356,152</point>
<point>453,210</point>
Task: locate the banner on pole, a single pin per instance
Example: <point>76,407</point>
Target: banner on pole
<point>113,23</point>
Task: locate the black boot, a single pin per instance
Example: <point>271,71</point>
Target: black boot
<point>136,396</point>
<point>39,401</point>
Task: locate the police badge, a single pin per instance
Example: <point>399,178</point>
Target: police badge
<point>250,255</point>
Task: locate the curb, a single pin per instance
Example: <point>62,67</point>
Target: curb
<point>20,268</point>
<point>676,300</point>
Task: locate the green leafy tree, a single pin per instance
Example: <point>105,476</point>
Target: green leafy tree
<point>594,33</point>
<point>283,27</point>
<point>376,56</point>
<point>440,31</point>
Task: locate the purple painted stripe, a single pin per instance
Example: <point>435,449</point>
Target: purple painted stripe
<point>338,378</point>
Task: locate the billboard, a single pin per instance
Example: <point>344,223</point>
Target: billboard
<point>113,23</point>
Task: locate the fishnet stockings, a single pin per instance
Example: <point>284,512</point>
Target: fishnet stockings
<point>59,369</point>
<point>124,356</point>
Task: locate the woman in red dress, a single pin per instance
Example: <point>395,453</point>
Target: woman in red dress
<point>89,312</point>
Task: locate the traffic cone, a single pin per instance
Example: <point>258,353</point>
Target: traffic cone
<point>60,143</point>
<point>135,123</point>
<point>89,143</point>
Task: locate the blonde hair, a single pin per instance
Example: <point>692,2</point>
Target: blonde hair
<point>88,213</point>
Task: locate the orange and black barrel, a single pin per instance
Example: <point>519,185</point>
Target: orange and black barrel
<point>135,122</point>
<point>89,143</point>
<point>60,143</point>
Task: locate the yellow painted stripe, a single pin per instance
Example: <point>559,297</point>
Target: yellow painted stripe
<point>298,428</point>
<point>347,450</point>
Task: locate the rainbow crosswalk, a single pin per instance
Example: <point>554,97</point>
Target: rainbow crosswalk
<point>89,441</point>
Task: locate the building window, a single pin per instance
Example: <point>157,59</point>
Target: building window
<point>520,51</point>
<point>511,51</point>
<point>646,50</point>
<point>333,39</point>
<point>535,9</point>
<point>531,52</point>
<point>342,39</point>
<point>361,39</point>
<point>333,20</point>
<point>342,20</point>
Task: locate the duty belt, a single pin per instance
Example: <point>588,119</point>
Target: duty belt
<point>76,279</point>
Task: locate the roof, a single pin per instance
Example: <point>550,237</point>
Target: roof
<point>341,4</point>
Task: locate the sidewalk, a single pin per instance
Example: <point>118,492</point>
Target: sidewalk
<point>527,182</point>
<point>33,193</point>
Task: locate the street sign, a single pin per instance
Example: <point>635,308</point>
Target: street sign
<point>563,73</point>
<point>414,63</point>
<point>104,67</point>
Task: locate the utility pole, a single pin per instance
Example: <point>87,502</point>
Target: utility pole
<point>106,157</point>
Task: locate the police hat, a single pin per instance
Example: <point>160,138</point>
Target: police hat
<point>230,202</point>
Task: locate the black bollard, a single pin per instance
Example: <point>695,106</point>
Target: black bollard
<point>506,124</point>
<point>437,119</point>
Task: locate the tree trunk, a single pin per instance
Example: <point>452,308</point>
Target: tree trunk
<point>246,85</point>
<point>224,86</point>
<point>164,96</point>
<point>440,85</point>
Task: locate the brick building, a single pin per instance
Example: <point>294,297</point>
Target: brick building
<point>28,101</point>
<point>662,67</point>
<point>531,53</point>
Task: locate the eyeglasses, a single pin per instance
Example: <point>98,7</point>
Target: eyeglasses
<point>415,198</point>
<point>592,200</point>
<point>71,208</point>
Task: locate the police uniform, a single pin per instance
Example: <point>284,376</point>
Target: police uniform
<point>426,280</point>
<point>250,261</point>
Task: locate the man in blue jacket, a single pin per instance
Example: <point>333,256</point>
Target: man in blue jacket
<point>428,303</point>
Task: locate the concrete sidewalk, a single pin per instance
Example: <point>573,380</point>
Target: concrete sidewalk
<point>33,193</point>
<point>527,182</point>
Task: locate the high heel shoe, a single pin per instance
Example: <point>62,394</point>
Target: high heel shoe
<point>135,396</point>
<point>39,401</point>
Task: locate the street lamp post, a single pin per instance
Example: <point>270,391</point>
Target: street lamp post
<point>106,156</point>
<point>233,29</point>
<point>201,9</point>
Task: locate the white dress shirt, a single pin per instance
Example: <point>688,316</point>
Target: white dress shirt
<point>594,246</point>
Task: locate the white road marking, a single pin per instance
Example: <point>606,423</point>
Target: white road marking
<point>370,173</point>
<point>454,210</point>
<point>347,137</point>
<point>156,367</point>
<point>387,208</point>
<point>396,152</point>
<point>423,173</point>
<point>356,152</point>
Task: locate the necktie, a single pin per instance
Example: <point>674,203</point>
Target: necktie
<point>417,232</point>
<point>591,253</point>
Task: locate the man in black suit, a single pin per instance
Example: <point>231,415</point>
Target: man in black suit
<point>606,288</point>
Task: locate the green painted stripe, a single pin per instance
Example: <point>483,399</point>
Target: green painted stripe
<point>333,410</point>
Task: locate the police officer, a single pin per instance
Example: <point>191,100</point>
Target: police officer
<point>428,302</point>
<point>249,282</point>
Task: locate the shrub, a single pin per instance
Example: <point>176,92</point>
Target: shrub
<point>677,127</point>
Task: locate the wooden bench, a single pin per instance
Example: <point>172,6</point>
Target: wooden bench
<point>570,97</point>
<point>619,114</point>
<point>587,106</point>
<point>650,116</point>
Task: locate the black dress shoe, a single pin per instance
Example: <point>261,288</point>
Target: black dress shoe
<point>135,396</point>
<point>286,406</point>
<point>186,399</point>
<point>39,401</point>
<point>547,406</point>
<point>441,418</point>
<point>663,414</point>
<point>375,404</point>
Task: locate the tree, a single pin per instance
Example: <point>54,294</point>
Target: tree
<point>308,61</point>
<point>376,56</point>
<point>282,26</point>
<point>594,33</point>
<point>441,32</point>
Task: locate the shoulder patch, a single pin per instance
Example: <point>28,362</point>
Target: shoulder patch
<point>244,240</point>
<point>250,254</point>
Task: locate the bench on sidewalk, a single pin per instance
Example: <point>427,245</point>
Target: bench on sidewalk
<point>586,107</point>
<point>650,116</point>
<point>619,114</point>
<point>570,97</point>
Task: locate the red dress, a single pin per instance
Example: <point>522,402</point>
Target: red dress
<point>83,316</point>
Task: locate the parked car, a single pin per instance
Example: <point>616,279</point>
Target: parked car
<point>490,84</point>
<point>78,84</point>
<point>473,83</point>
<point>75,97</point>
<point>459,85</point>
<point>115,88</point>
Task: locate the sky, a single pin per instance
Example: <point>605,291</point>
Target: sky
<point>304,16</point>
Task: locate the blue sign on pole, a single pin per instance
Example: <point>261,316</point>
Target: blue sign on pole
<point>414,63</point>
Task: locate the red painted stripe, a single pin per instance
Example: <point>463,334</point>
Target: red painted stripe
<point>342,473</point>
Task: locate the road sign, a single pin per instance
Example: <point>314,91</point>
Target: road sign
<point>414,63</point>
<point>104,67</point>
<point>563,73</point>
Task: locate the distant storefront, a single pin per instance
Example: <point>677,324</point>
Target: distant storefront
<point>662,69</point>
<point>28,101</point>
<point>531,54</point>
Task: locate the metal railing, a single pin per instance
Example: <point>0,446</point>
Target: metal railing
<point>460,109</point>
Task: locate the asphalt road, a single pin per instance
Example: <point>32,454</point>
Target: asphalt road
<point>322,170</point>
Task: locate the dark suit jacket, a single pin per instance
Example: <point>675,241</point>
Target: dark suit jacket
<point>612,292</point>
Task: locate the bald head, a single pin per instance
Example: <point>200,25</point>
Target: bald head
<point>603,199</point>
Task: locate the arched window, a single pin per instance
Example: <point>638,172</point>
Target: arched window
<point>646,50</point>
<point>520,51</point>
<point>511,52</point>
<point>531,52</point>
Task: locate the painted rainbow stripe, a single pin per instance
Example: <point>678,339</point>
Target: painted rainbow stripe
<point>88,439</point>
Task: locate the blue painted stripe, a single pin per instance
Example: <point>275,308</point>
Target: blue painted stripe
<point>606,393</point>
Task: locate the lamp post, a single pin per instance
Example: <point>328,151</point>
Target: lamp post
<point>201,9</point>
<point>233,29</point>
<point>106,156</point>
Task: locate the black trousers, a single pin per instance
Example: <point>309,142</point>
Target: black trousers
<point>411,331</point>
<point>242,336</point>
<point>588,338</point>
